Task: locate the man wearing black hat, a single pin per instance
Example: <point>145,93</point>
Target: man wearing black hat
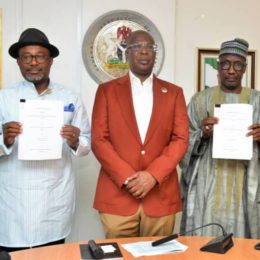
<point>224,191</point>
<point>37,197</point>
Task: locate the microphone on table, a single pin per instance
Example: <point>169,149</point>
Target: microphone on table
<point>219,244</point>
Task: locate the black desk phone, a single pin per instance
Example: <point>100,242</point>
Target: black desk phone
<point>95,250</point>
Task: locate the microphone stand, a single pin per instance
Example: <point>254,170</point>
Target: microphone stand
<point>219,244</point>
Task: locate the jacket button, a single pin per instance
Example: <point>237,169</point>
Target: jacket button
<point>143,152</point>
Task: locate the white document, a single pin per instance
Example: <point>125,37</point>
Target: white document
<point>108,249</point>
<point>41,121</point>
<point>229,135</point>
<point>145,248</point>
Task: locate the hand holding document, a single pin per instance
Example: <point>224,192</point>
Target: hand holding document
<point>229,135</point>
<point>145,248</point>
<point>41,122</point>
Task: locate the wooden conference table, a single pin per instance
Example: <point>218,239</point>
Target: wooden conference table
<point>243,249</point>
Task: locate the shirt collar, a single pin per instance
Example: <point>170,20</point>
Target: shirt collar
<point>47,91</point>
<point>135,79</point>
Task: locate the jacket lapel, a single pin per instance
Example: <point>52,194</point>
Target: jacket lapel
<point>159,104</point>
<point>124,96</point>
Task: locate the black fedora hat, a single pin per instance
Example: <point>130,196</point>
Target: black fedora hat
<point>32,36</point>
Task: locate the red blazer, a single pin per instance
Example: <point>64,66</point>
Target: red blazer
<point>118,147</point>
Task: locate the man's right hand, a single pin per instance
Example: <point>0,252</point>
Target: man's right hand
<point>10,131</point>
<point>207,126</point>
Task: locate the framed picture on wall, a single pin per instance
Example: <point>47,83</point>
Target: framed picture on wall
<point>207,69</point>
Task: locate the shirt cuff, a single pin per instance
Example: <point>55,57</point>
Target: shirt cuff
<point>82,149</point>
<point>5,150</point>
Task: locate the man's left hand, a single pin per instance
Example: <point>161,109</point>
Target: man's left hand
<point>255,132</point>
<point>71,134</point>
<point>140,183</point>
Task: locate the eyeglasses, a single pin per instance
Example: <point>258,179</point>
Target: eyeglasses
<point>147,46</point>
<point>237,65</point>
<point>38,58</point>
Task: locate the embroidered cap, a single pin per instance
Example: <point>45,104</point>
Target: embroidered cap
<point>237,47</point>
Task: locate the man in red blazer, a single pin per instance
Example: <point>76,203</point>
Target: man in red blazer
<point>139,135</point>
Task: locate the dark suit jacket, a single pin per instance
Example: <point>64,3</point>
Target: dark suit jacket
<point>118,147</point>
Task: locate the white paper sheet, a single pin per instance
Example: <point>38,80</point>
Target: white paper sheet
<point>41,121</point>
<point>145,248</point>
<point>229,136</point>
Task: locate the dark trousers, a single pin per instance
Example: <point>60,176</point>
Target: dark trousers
<point>12,249</point>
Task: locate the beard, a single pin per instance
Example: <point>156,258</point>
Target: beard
<point>231,83</point>
<point>34,78</point>
<point>232,87</point>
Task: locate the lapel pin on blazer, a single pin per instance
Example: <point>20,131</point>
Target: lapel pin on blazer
<point>164,90</point>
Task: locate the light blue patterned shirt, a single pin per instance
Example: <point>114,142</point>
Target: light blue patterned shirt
<point>37,198</point>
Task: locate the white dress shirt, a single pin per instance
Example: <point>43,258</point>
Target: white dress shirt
<point>142,94</point>
<point>37,198</point>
